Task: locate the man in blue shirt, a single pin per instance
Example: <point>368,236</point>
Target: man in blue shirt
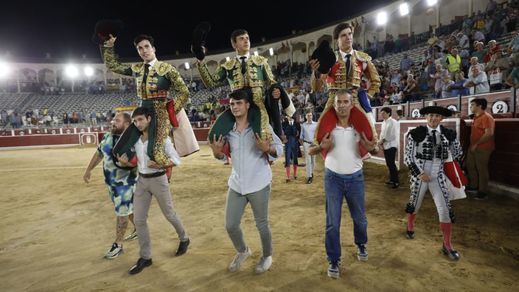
<point>120,182</point>
<point>250,178</point>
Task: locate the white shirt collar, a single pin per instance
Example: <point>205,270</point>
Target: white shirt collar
<point>438,130</point>
<point>247,56</point>
<point>152,63</point>
<point>343,54</point>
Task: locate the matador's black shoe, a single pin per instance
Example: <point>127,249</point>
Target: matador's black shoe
<point>409,234</point>
<point>182,247</point>
<point>139,266</point>
<point>452,254</point>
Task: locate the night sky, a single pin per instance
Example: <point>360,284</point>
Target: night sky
<point>30,29</point>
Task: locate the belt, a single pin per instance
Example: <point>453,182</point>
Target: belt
<point>307,142</point>
<point>153,174</point>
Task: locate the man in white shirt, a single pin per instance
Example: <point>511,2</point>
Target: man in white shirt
<point>250,180</point>
<point>477,81</point>
<point>307,138</point>
<point>389,142</point>
<point>152,181</point>
<point>343,179</point>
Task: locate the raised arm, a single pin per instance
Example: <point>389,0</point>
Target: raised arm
<point>211,80</point>
<point>111,60</point>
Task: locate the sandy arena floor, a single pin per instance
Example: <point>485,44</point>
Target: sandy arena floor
<point>55,230</point>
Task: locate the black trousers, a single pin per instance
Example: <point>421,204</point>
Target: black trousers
<point>389,155</point>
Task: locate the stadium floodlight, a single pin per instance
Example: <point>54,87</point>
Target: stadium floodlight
<point>186,65</point>
<point>71,71</point>
<point>4,69</point>
<point>404,9</point>
<point>256,53</point>
<point>432,2</point>
<point>89,71</point>
<point>382,18</point>
<point>271,51</point>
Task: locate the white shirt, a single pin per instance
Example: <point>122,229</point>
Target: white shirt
<point>247,56</point>
<point>481,82</point>
<point>143,158</point>
<point>308,131</point>
<point>344,158</point>
<point>389,133</point>
<point>152,63</point>
<point>343,54</point>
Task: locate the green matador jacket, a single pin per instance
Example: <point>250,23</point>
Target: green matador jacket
<point>258,76</point>
<point>162,80</point>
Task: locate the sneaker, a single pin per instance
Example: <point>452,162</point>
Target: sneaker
<point>452,254</point>
<point>333,270</point>
<point>362,253</point>
<point>239,258</point>
<point>395,185</point>
<point>409,234</point>
<point>287,180</point>
<point>388,182</point>
<point>131,236</point>
<point>114,251</point>
<point>263,265</point>
<point>309,180</point>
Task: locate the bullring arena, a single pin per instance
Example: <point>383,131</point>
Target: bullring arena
<point>56,228</point>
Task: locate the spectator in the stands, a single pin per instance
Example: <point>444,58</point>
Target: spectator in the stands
<point>453,61</point>
<point>457,88</point>
<point>477,82</point>
<point>493,48</point>
<point>497,69</point>
<point>406,63</point>
<point>411,89</point>
<point>447,84</point>
<point>478,36</point>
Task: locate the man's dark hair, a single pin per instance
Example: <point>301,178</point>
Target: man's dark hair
<point>387,110</point>
<point>142,111</point>
<point>236,33</point>
<point>244,93</point>
<point>143,37</point>
<point>126,117</point>
<point>480,102</point>
<point>400,112</point>
<point>340,27</point>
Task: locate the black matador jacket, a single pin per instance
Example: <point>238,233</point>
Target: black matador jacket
<point>419,149</point>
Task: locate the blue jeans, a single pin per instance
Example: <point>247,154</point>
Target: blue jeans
<point>336,187</point>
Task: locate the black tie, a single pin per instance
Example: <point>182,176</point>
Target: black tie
<point>348,64</point>
<point>434,137</point>
<point>243,64</point>
<point>145,75</point>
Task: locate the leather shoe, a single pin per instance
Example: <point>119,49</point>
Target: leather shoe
<point>182,247</point>
<point>139,266</point>
<point>409,234</point>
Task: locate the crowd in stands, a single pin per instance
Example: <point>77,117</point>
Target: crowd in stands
<point>460,59</point>
<point>470,55</point>
<point>48,118</point>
